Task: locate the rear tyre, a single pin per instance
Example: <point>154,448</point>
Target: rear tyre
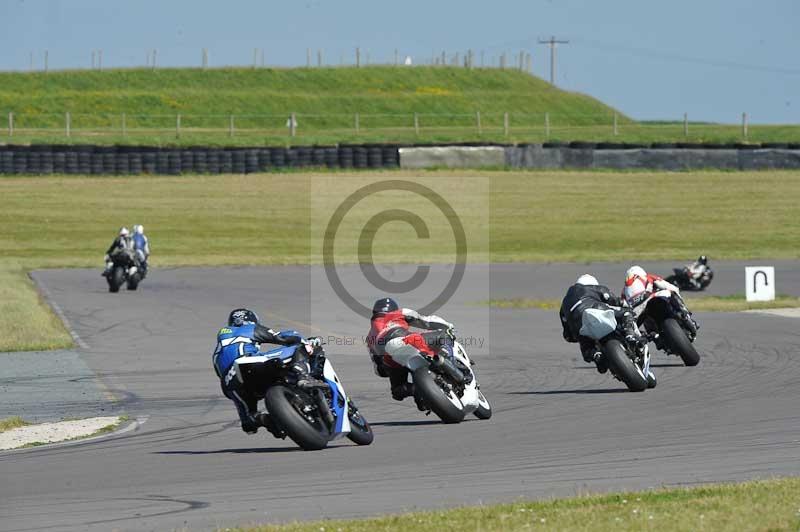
<point>360,431</point>
<point>290,409</point>
<point>115,279</point>
<point>484,410</point>
<point>623,367</point>
<point>678,342</point>
<point>445,405</point>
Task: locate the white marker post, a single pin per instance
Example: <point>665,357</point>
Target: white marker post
<point>759,283</point>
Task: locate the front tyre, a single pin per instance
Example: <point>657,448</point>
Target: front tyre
<point>444,404</point>
<point>360,431</point>
<point>115,279</point>
<point>678,342</point>
<point>133,281</point>
<point>296,413</point>
<point>623,367</point>
<point>484,410</point>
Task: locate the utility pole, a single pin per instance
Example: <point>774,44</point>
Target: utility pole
<point>552,42</point>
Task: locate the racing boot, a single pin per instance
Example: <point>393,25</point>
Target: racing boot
<point>600,361</point>
<point>402,391</point>
<point>266,421</point>
<point>250,424</point>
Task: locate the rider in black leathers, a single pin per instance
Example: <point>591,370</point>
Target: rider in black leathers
<point>587,293</point>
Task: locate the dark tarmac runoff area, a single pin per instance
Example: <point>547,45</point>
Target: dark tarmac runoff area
<point>559,428</point>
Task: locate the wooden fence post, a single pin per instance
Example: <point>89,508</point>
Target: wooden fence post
<point>744,125</point>
<point>358,126</point>
<point>10,124</point>
<point>616,131</point>
<point>547,125</point>
<point>124,126</point>
<point>505,124</point>
<point>685,124</point>
<point>478,121</point>
<point>292,125</point>
<point>178,126</point>
<point>230,126</point>
<point>67,123</point>
<point>416,124</point>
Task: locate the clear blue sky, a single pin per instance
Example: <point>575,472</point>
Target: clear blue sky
<point>653,60</point>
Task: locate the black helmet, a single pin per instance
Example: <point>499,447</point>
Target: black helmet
<point>703,260</point>
<point>240,316</point>
<point>382,306</point>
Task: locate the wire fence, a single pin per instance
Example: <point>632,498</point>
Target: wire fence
<point>290,125</point>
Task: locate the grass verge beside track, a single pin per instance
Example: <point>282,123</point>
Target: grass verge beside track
<point>13,422</point>
<point>696,304</point>
<point>757,505</point>
<point>266,219</point>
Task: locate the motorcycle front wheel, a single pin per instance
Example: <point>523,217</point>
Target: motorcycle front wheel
<point>296,413</point>
<point>623,367</point>
<point>360,431</point>
<point>115,279</point>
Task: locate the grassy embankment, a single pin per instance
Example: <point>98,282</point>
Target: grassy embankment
<point>764,505</point>
<point>13,422</point>
<point>265,219</point>
<point>326,101</point>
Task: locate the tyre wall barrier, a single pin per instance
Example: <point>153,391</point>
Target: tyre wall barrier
<point>133,160</point>
<point>686,157</point>
<point>453,156</point>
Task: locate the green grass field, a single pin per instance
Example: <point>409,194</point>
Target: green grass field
<point>326,101</point>
<point>772,505</point>
<point>267,219</point>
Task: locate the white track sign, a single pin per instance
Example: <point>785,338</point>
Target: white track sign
<point>759,283</point>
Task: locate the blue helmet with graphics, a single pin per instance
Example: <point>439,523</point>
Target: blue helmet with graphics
<point>384,305</point>
<point>240,316</point>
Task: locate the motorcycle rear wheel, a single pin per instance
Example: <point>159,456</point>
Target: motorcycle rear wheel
<point>286,406</point>
<point>623,367</point>
<point>435,397</point>
<point>679,343</point>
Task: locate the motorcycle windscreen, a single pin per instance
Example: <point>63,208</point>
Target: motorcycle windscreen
<point>598,323</point>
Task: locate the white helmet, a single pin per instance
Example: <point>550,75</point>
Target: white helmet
<point>587,280</point>
<point>138,229</point>
<point>634,272</point>
<point>123,231</point>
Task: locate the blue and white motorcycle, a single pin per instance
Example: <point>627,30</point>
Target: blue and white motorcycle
<point>311,418</point>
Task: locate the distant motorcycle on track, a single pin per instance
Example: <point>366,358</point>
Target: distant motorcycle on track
<point>124,270</point>
<point>693,277</point>
<point>310,418</point>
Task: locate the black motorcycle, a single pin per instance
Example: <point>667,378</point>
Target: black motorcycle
<point>311,418</point>
<point>124,270</point>
<point>670,325</point>
<point>682,278</point>
<point>628,359</point>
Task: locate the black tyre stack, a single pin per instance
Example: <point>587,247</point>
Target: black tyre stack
<point>374,156</point>
<point>213,161</point>
<point>360,158</point>
<point>238,161</point>
<point>278,157</point>
<point>346,157</point>
<point>200,161</point>
<point>225,162</point>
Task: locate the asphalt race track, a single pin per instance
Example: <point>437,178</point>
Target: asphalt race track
<point>559,428</point>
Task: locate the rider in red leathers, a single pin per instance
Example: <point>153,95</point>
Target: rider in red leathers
<point>395,350</point>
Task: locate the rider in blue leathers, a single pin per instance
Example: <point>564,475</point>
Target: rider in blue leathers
<point>242,337</point>
<point>141,245</point>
